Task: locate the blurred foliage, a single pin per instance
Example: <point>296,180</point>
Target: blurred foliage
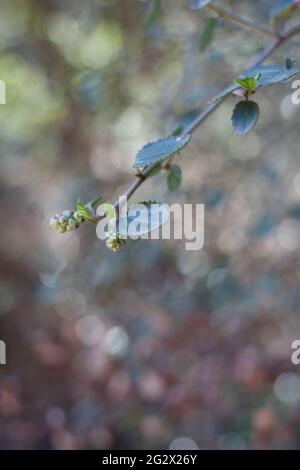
<point>154,347</point>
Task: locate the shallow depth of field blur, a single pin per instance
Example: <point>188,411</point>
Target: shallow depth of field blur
<point>153,347</point>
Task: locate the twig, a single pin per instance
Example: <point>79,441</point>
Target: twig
<point>207,112</point>
<point>237,19</point>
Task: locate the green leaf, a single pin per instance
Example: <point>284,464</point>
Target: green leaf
<point>290,63</point>
<point>285,8</point>
<point>110,211</point>
<point>95,202</point>
<point>266,75</point>
<point>142,219</point>
<point>208,33</point>
<point>174,178</point>
<point>155,170</point>
<point>148,203</point>
<point>249,83</point>
<point>271,74</point>
<point>244,117</point>
<point>84,211</point>
<point>161,149</point>
<point>178,130</point>
<point>152,13</point>
<point>198,4</point>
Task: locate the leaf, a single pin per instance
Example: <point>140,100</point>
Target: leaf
<point>244,117</point>
<point>267,75</point>
<point>178,130</point>
<point>208,33</point>
<point>198,4</point>
<point>142,219</point>
<point>285,8</point>
<point>155,171</point>
<point>148,203</point>
<point>94,203</point>
<point>110,211</point>
<point>249,83</point>
<point>161,149</point>
<point>271,74</point>
<point>84,211</point>
<point>174,178</point>
<point>152,13</point>
<point>289,62</point>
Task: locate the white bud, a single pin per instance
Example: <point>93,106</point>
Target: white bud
<point>109,244</point>
<point>71,224</point>
<point>63,220</point>
<point>78,217</point>
<point>54,222</point>
<point>67,214</point>
<point>115,245</point>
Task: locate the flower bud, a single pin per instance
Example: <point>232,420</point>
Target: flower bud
<point>67,214</point>
<point>115,244</point>
<point>71,224</point>
<point>54,222</point>
<point>63,220</point>
<point>78,217</point>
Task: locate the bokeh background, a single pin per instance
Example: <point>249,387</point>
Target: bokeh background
<point>153,347</point>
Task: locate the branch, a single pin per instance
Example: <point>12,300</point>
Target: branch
<point>206,113</point>
<point>70,220</point>
<point>292,32</point>
<point>237,19</point>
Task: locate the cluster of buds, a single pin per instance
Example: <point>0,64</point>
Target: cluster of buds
<point>69,220</point>
<point>66,221</point>
<point>114,243</point>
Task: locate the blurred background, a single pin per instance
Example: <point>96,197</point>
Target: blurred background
<point>153,347</point>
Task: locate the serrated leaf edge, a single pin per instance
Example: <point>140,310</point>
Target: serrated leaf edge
<point>258,115</point>
<point>184,137</point>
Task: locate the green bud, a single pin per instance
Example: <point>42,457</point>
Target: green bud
<point>62,229</point>
<point>67,214</point>
<point>72,224</point>
<point>63,220</point>
<point>116,244</point>
<point>54,222</point>
<point>78,217</point>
